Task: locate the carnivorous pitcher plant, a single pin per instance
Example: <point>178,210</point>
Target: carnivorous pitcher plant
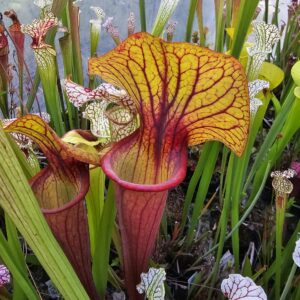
<point>184,95</point>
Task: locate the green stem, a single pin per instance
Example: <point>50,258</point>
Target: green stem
<point>199,10</point>
<point>271,137</point>
<point>95,203</point>
<point>194,182</point>
<point>289,282</point>
<point>286,256</point>
<point>33,90</point>
<point>203,189</point>
<point>266,11</point>
<point>276,12</point>
<point>237,178</point>
<point>190,20</point>
<point>280,211</point>
<point>228,20</point>
<point>102,246</point>
<point>143,15</point>
<point>242,219</point>
<point>245,15</point>
<point>77,60</point>
<point>219,9</point>
<point>223,224</point>
<point>66,51</point>
<point>240,173</point>
<point>48,73</point>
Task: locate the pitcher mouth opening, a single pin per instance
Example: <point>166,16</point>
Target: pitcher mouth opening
<point>177,176</point>
<point>80,196</point>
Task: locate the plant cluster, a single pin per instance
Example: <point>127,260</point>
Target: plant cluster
<point>156,175</point>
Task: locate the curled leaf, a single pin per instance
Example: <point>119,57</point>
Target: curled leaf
<point>80,95</point>
<point>297,92</point>
<point>40,132</point>
<point>100,14</point>
<point>122,123</point>
<point>152,284</point>
<point>254,88</point>
<point>38,30</point>
<point>265,35</point>
<point>109,124</point>
<point>23,141</point>
<point>271,73</point>
<point>77,137</point>
<point>95,112</point>
<point>96,23</point>
<point>237,287</point>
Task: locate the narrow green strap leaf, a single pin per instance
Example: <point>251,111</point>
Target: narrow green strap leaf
<point>262,156</point>
<point>204,184</point>
<point>102,246</point>
<point>245,15</point>
<point>65,43</point>
<point>194,182</point>
<point>143,15</point>
<point>77,60</point>
<point>95,202</point>
<point>219,9</point>
<point>190,20</point>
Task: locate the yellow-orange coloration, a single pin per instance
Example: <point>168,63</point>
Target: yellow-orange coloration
<point>185,95</point>
<point>41,133</point>
<point>208,90</point>
<point>181,91</point>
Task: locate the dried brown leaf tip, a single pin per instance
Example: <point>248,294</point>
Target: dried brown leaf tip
<point>13,16</point>
<point>4,50</point>
<point>16,34</point>
<point>281,183</point>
